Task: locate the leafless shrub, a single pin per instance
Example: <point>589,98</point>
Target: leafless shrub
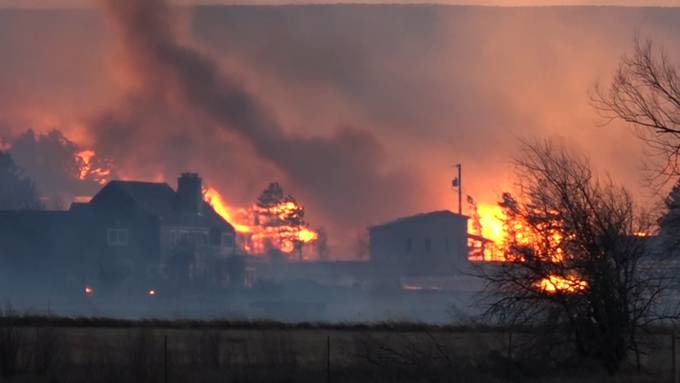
<point>205,348</point>
<point>278,352</point>
<point>412,357</point>
<point>143,352</point>
<point>47,350</point>
<point>11,342</point>
<point>585,283</point>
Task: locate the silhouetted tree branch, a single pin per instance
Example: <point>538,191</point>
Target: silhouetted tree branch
<point>645,92</point>
<point>577,268</point>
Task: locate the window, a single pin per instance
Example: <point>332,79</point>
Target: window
<point>428,244</point>
<point>117,237</point>
<point>173,238</point>
<point>409,244</point>
<point>227,240</point>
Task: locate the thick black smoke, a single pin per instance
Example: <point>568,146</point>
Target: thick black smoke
<point>342,171</point>
<point>433,85</point>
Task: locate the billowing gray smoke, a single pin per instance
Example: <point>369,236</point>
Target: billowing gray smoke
<point>248,95</point>
<point>341,170</point>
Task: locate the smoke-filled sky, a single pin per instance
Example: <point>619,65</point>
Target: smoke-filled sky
<point>359,111</point>
<point>634,3</point>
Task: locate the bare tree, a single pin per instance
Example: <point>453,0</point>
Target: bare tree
<point>645,92</point>
<point>576,262</point>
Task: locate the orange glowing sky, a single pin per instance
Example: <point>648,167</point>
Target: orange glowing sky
<point>432,85</point>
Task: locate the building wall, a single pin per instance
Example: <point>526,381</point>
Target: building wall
<point>434,244</point>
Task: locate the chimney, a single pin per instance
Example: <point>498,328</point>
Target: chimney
<point>190,192</point>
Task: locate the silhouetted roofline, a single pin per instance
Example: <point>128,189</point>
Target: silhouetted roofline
<point>160,199</point>
<point>138,183</point>
<point>418,217</point>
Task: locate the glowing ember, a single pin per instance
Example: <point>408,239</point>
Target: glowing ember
<point>88,170</point>
<point>262,228</point>
<point>491,232</point>
<point>487,233</point>
<point>555,284</point>
<point>491,218</point>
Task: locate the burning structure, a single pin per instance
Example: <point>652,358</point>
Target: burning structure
<point>136,235</point>
<point>273,226</point>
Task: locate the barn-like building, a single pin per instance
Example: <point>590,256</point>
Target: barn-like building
<point>427,244</point>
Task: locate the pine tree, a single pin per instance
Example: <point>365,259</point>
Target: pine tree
<point>669,224</point>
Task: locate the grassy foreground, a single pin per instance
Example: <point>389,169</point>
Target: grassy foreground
<point>60,349</point>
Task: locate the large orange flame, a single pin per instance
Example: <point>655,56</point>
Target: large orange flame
<point>556,284</point>
<point>87,170</point>
<point>256,235</point>
<point>490,232</point>
<point>213,197</point>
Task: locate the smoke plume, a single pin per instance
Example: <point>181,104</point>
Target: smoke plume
<point>359,111</point>
<point>341,171</point>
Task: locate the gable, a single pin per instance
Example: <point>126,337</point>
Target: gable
<point>154,198</point>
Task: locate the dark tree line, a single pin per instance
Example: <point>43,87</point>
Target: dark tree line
<point>17,191</point>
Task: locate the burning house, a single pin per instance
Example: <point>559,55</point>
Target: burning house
<point>131,234</point>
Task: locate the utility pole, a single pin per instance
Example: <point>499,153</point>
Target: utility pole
<point>458,183</point>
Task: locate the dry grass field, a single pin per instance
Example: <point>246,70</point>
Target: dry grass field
<point>102,350</point>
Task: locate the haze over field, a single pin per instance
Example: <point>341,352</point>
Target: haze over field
<point>511,3</point>
<point>367,108</point>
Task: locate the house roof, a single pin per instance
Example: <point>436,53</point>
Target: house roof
<point>419,218</point>
<point>155,198</point>
<point>160,200</point>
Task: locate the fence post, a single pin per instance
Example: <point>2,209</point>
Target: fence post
<point>328,359</point>
<point>508,371</point>
<point>674,363</point>
<point>510,345</point>
<point>165,358</point>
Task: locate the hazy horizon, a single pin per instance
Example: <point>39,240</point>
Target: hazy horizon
<point>493,3</point>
